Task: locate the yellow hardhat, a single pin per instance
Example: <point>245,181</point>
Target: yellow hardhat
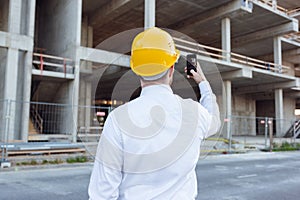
<point>152,52</point>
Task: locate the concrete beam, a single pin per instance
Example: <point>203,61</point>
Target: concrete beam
<point>107,11</point>
<point>52,74</point>
<point>218,12</point>
<point>266,87</point>
<point>241,73</point>
<point>292,42</point>
<point>104,57</point>
<point>16,41</point>
<point>295,94</point>
<point>266,33</point>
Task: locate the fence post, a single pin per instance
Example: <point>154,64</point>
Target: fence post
<point>41,64</point>
<point>65,67</point>
<point>271,133</point>
<point>7,121</point>
<point>230,132</point>
<point>4,162</point>
<point>4,136</point>
<point>266,132</point>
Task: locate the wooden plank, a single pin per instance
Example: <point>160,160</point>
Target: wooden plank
<point>46,151</point>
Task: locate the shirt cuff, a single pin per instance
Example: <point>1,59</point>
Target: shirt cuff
<point>204,87</point>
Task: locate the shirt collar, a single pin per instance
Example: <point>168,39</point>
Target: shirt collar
<point>155,89</point>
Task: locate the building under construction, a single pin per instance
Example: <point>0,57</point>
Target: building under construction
<point>51,50</point>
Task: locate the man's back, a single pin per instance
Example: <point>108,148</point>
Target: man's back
<point>159,135</point>
<point>150,146</point>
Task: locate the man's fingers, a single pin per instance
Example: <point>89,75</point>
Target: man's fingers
<point>193,72</point>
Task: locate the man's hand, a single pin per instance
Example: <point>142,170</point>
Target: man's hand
<point>197,76</point>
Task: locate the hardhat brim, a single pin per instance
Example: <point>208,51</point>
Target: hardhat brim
<point>150,62</point>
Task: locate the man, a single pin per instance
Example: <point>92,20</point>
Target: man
<point>150,146</point>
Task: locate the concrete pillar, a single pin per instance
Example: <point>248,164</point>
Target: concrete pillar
<point>26,96</point>
<point>277,53</point>
<point>31,18</point>
<point>226,38</point>
<point>76,82</point>
<point>81,103</point>
<point>27,73</point>
<point>227,85</point>
<point>279,111</point>
<point>10,89</point>
<point>11,79</point>
<point>149,18</point>
<point>85,101</point>
<point>14,16</point>
<point>88,101</point>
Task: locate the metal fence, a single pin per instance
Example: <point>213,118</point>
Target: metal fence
<point>261,132</point>
<point>256,126</point>
<point>37,121</point>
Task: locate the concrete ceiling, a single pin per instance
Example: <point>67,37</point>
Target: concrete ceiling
<point>91,6</point>
<point>289,4</point>
<point>111,17</point>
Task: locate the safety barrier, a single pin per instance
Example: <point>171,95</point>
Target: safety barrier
<point>272,5</point>
<point>45,62</point>
<point>50,121</point>
<point>234,57</point>
<point>293,36</point>
<point>258,132</point>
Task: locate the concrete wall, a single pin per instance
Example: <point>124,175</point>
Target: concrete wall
<point>57,27</point>
<point>266,108</point>
<point>64,96</point>
<point>85,100</point>
<point>4,15</point>
<point>58,31</point>
<point>86,41</point>
<point>290,71</point>
<point>243,115</point>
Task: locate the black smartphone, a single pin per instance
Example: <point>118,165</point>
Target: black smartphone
<point>191,63</point>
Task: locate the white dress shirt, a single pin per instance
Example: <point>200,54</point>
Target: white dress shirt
<point>150,146</point>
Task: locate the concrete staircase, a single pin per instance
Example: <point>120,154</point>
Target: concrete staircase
<point>294,130</point>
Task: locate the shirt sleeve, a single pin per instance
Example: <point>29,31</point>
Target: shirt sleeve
<point>106,175</point>
<point>209,102</point>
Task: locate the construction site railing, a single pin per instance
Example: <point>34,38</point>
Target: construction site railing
<point>234,57</point>
<point>45,62</point>
<point>294,12</point>
<point>270,4</point>
<point>293,36</point>
<point>296,129</point>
